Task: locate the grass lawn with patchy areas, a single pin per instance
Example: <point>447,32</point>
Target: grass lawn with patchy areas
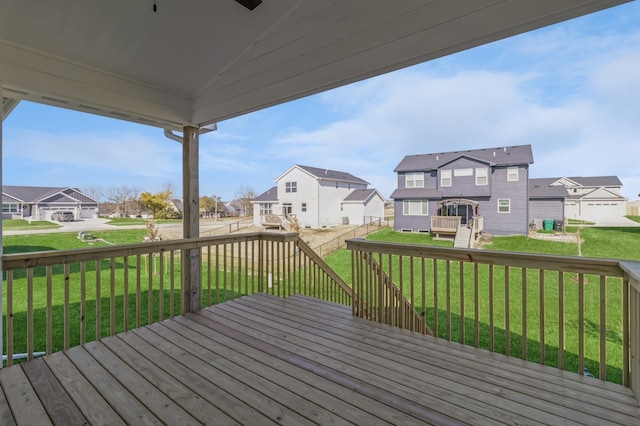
<point>124,221</point>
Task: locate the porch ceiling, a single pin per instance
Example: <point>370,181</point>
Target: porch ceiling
<point>198,62</point>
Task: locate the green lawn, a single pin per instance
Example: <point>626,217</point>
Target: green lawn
<point>598,242</point>
<point>124,221</point>
<point>22,224</point>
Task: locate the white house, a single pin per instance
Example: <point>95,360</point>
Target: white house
<point>318,198</point>
<point>594,198</point>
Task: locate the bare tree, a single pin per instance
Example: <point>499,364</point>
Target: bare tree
<point>244,196</point>
<point>95,192</point>
<point>122,196</point>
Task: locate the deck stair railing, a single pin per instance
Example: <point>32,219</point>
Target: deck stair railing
<point>386,301</point>
<point>58,299</point>
<point>576,314</point>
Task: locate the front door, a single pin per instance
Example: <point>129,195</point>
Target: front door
<point>286,210</point>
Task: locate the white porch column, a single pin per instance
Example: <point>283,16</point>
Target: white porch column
<point>191,275</point>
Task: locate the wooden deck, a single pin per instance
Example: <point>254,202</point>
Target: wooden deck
<point>263,360</point>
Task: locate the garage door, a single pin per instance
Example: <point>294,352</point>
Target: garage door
<point>601,211</point>
<point>89,212</point>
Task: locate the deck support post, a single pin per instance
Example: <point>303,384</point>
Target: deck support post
<point>190,223</point>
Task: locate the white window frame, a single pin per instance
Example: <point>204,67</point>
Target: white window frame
<point>502,201</point>
<point>303,208</point>
<point>463,172</point>
<point>480,171</point>
<point>10,208</point>
<point>291,186</point>
<point>446,176</point>
<point>513,174</point>
<point>414,180</point>
<point>408,210</point>
<point>266,208</point>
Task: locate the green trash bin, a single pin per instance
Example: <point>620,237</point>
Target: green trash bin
<point>547,224</point>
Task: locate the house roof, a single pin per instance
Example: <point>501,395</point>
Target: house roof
<point>541,188</point>
<point>195,62</point>
<point>270,195</point>
<point>594,181</point>
<point>35,194</point>
<point>423,193</point>
<point>327,174</point>
<point>501,156</point>
<point>362,195</point>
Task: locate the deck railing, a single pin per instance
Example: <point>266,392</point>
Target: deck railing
<point>58,299</point>
<point>569,312</point>
<point>445,224</point>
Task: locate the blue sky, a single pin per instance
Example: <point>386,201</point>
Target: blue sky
<point>571,90</point>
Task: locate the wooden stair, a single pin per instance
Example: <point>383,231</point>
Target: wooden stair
<point>463,237</point>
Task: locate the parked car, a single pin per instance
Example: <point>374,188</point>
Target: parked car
<point>62,216</point>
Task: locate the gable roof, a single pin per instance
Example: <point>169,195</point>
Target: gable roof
<point>326,174</point>
<point>542,188</point>
<point>501,156</point>
<point>362,195</point>
<point>37,194</point>
<point>270,195</point>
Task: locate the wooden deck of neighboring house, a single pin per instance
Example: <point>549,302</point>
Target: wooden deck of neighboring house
<point>262,360</point>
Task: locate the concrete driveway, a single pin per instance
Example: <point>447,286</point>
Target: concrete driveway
<point>616,221</point>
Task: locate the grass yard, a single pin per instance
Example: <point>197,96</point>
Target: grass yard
<point>124,221</point>
<point>598,242</point>
<point>22,224</point>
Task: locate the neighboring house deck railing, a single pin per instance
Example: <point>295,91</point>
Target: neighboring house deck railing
<point>573,313</point>
<point>445,224</point>
<point>58,299</point>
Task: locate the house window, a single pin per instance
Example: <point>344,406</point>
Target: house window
<point>414,180</point>
<point>512,174</point>
<point>482,176</point>
<point>304,207</point>
<point>463,172</point>
<point>504,206</point>
<point>10,208</point>
<point>266,208</point>
<point>291,187</point>
<point>445,178</point>
<point>415,208</point>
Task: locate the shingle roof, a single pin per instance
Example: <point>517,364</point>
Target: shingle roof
<point>270,194</point>
<point>596,180</point>
<point>360,194</point>
<point>30,194</point>
<point>541,188</point>
<point>332,174</point>
<point>501,156</point>
<point>404,193</point>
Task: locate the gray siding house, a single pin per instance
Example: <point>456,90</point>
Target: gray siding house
<point>488,186</point>
<point>39,203</point>
<point>546,201</point>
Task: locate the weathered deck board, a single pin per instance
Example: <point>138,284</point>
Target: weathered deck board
<point>265,360</point>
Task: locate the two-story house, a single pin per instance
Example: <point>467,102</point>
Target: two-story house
<point>318,198</point>
<point>489,186</point>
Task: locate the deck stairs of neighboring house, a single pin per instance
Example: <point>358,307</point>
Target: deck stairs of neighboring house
<point>463,237</point>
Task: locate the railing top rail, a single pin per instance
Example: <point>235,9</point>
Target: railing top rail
<point>54,257</point>
<point>609,267</point>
